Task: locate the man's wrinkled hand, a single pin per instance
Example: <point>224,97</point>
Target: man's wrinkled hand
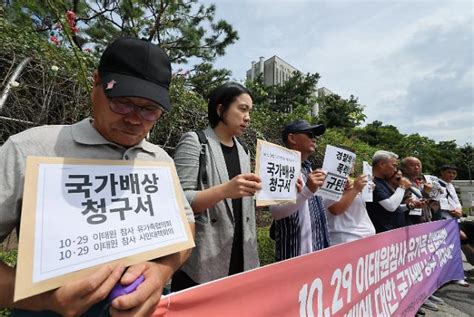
<point>142,301</point>
<point>75,298</point>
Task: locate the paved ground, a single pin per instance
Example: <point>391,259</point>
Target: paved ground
<point>459,300</point>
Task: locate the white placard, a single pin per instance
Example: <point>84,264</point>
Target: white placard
<point>367,192</point>
<point>89,215</point>
<point>279,169</point>
<point>78,214</point>
<point>338,164</point>
<point>437,192</point>
<point>444,204</point>
<point>415,212</point>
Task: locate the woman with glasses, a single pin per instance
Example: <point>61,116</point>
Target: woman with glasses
<point>221,197</point>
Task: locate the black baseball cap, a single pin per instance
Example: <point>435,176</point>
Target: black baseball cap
<point>448,167</point>
<point>130,67</point>
<point>299,126</point>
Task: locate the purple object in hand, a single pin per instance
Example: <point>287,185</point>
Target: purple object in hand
<point>120,290</point>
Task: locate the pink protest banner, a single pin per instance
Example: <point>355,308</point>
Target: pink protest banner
<point>389,274</point>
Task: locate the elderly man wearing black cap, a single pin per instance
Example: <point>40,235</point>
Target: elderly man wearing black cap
<point>302,227</point>
<point>129,95</point>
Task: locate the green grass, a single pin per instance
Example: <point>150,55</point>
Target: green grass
<point>266,246</point>
<point>9,257</point>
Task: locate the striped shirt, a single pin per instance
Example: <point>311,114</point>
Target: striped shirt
<point>302,227</point>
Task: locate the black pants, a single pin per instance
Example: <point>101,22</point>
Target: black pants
<point>181,281</point>
<point>468,228</point>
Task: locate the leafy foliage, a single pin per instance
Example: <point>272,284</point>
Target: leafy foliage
<point>298,91</point>
<point>204,78</point>
<point>266,246</point>
<point>181,27</point>
<point>432,155</point>
<point>189,113</point>
<point>336,112</point>
<point>44,94</point>
<point>9,257</point>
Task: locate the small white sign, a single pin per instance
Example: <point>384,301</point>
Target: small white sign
<point>279,169</point>
<point>367,192</point>
<point>416,212</point>
<point>444,204</point>
<point>338,164</point>
<point>437,191</point>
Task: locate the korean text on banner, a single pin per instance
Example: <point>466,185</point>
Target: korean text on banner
<point>338,164</point>
<point>279,169</point>
<point>78,214</point>
<point>388,274</point>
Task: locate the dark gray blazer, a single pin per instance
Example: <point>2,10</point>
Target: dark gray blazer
<point>210,258</point>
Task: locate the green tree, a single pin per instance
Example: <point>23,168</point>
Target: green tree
<point>44,94</point>
<point>421,147</point>
<point>466,162</point>
<point>384,137</point>
<point>337,112</point>
<point>189,113</point>
<point>204,78</point>
<point>298,90</point>
<point>183,28</point>
<point>446,152</point>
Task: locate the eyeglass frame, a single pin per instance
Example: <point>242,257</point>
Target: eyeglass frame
<point>309,134</point>
<point>135,108</point>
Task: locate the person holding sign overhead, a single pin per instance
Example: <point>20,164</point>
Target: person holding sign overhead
<point>214,170</point>
<point>301,228</point>
<point>130,93</point>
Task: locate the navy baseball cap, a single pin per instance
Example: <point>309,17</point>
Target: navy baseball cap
<point>448,167</point>
<point>299,126</point>
<point>130,67</point>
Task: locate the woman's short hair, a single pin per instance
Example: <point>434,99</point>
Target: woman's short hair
<point>223,95</point>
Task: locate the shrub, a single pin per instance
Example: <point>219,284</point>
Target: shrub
<point>266,246</point>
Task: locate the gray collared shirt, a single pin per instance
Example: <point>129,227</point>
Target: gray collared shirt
<point>80,140</point>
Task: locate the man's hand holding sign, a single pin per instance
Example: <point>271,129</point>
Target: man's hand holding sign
<point>81,219</point>
<point>316,179</point>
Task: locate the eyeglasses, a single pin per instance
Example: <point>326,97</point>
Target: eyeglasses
<point>125,107</point>
<point>310,134</point>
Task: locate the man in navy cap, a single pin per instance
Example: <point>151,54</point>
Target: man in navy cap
<point>301,228</point>
<point>130,93</point>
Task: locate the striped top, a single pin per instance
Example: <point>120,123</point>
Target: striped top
<point>304,229</point>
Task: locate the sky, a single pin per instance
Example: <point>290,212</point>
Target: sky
<point>409,62</point>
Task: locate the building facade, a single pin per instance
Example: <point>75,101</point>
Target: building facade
<point>275,71</point>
